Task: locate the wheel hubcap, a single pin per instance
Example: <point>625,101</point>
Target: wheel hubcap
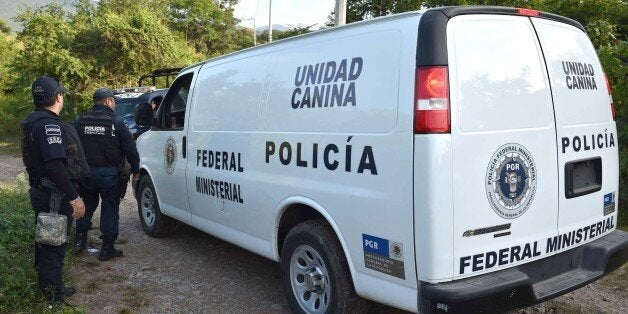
<point>309,279</point>
<point>315,280</point>
<point>148,207</point>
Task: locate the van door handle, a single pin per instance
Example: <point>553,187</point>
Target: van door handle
<point>183,146</point>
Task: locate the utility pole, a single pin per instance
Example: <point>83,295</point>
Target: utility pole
<point>254,30</point>
<point>270,21</point>
<point>341,12</point>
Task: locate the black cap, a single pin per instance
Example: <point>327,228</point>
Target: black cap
<point>102,93</point>
<point>45,88</point>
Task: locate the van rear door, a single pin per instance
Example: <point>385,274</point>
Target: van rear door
<point>505,176</point>
<point>586,135</point>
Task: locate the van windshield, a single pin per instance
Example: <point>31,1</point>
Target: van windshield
<point>126,106</point>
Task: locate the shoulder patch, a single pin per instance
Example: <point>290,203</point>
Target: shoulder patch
<point>53,130</point>
<point>54,140</point>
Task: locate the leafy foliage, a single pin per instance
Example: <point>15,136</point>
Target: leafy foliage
<point>4,27</point>
<point>106,45</point>
<point>208,26</point>
<point>8,50</point>
<point>290,32</point>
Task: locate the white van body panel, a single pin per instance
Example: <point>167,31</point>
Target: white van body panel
<point>289,201</point>
<point>584,121</point>
<point>171,189</point>
<point>433,207</point>
<point>361,182</point>
<point>497,77</point>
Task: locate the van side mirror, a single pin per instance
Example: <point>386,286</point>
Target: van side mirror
<point>144,114</point>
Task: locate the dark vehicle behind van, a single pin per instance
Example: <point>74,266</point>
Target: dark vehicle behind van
<point>126,103</point>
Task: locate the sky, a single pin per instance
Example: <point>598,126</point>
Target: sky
<point>286,12</point>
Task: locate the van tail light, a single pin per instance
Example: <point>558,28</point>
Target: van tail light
<point>527,12</point>
<point>431,112</point>
<point>610,95</point>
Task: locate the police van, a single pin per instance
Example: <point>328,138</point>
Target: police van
<point>460,159</point>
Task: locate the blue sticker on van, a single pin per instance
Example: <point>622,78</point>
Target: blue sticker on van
<point>383,255</point>
<point>375,245</point>
<point>609,203</point>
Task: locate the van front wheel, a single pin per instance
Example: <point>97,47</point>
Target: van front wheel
<point>314,271</point>
<point>154,223</point>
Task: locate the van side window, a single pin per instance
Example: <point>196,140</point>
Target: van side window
<point>173,106</point>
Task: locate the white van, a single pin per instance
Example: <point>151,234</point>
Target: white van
<point>462,159</point>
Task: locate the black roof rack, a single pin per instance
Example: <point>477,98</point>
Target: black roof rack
<point>166,72</point>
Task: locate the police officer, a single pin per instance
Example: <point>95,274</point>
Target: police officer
<point>45,155</point>
<point>107,142</point>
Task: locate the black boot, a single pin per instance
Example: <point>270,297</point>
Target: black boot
<point>108,252</point>
<point>81,242</point>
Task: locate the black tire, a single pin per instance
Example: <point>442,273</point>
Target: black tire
<point>318,236</point>
<point>154,222</point>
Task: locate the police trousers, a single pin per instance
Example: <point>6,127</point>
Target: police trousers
<point>49,258</point>
<point>101,185</point>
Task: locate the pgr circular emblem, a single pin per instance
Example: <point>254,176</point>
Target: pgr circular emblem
<point>170,154</point>
<point>511,181</point>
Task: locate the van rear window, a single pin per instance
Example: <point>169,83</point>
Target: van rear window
<point>497,74</point>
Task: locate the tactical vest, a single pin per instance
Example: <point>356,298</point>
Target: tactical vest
<point>30,152</point>
<point>101,143</point>
<point>75,162</point>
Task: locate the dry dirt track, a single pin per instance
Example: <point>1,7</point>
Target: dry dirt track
<point>195,272</point>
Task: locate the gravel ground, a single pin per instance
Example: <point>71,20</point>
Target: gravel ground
<point>194,272</point>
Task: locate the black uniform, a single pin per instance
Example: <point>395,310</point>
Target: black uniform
<point>47,142</point>
<point>107,142</point>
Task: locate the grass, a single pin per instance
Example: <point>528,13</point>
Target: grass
<point>92,286</point>
<point>554,306</point>
<point>18,278</point>
<point>10,145</point>
<point>617,280</point>
<point>19,292</point>
<point>134,298</point>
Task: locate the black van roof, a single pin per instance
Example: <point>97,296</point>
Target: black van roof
<point>432,44</point>
<point>462,10</point>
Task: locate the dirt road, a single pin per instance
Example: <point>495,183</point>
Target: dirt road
<point>194,272</point>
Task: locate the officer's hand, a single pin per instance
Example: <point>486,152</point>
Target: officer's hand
<point>78,208</point>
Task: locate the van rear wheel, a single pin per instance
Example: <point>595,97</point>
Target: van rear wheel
<point>154,223</point>
<point>314,271</point>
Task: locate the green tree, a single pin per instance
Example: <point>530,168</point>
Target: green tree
<point>262,37</point>
<point>47,38</point>
<point>109,44</point>
<point>589,11</point>
<point>124,39</point>
<point>208,26</point>
<point>4,27</point>
<point>358,10</point>
<point>293,31</point>
<point>8,50</point>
